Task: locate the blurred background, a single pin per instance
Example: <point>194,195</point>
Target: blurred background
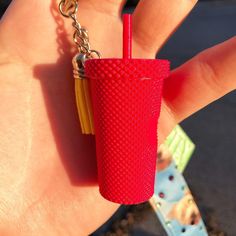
<point>211,173</point>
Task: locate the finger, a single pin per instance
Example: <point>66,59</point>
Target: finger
<point>202,80</point>
<point>19,12</point>
<point>154,21</point>
<point>27,29</point>
<point>111,7</point>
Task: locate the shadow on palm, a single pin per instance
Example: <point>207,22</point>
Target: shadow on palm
<point>77,151</point>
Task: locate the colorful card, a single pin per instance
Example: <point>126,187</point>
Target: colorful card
<point>180,146</point>
<point>173,201</point>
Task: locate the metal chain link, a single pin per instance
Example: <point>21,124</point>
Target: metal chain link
<point>69,9</point>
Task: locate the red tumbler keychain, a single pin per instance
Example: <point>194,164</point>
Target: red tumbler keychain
<point>126,97</point>
<point>119,100</point>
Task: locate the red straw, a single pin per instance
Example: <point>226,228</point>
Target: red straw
<point>127,36</point>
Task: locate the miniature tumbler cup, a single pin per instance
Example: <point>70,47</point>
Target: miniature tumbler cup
<point>126,97</point>
<point>126,100</point>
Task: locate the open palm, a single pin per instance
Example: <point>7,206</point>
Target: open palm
<point>48,182</point>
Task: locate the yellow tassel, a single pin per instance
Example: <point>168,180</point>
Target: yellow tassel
<point>83,98</point>
<point>88,104</point>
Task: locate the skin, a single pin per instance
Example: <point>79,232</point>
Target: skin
<point>48,180</point>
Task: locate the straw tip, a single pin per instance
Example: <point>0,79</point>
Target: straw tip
<point>126,16</point>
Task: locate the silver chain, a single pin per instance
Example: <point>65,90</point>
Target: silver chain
<point>69,9</point>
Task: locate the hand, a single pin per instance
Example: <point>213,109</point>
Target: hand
<point>48,182</point>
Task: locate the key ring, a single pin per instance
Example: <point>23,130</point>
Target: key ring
<point>71,7</point>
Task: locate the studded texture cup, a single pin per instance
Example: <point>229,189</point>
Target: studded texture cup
<point>126,99</point>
